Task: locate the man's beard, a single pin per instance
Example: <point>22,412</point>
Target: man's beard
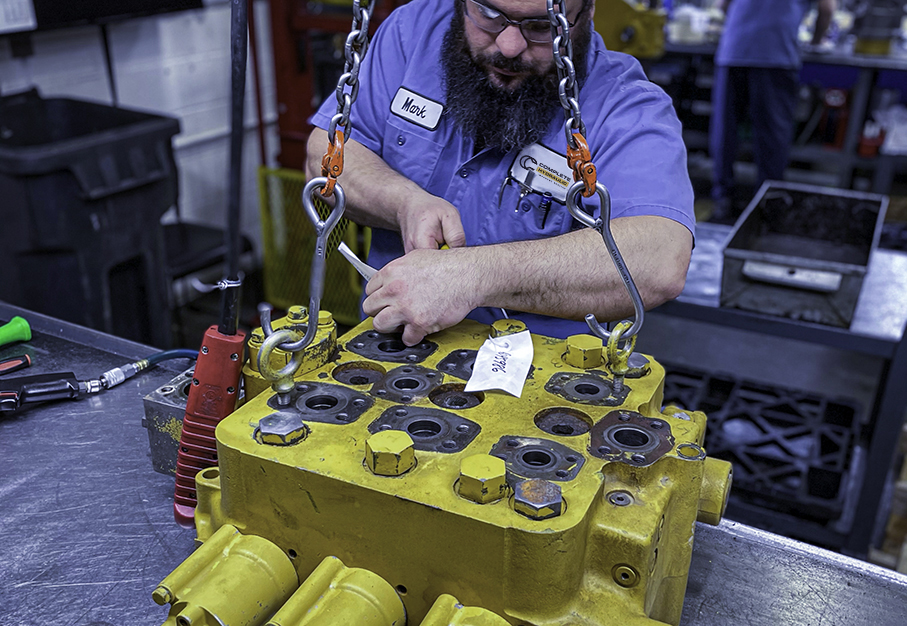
<point>498,117</point>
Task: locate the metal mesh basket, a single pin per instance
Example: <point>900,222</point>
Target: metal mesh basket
<point>289,240</point>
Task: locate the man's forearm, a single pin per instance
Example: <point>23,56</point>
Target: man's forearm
<point>823,19</point>
<point>573,275</point>
<point>374,192</point>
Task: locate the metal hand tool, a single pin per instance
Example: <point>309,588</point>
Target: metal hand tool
<point>364,269</point>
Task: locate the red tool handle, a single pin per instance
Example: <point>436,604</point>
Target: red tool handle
<point>212,396</point>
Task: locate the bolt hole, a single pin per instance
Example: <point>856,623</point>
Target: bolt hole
<point>463,428</point>
<point>392,346</point>
<point>638,458</point>
<point>321,403</point>
<point>562,473</point>
<point>624,576</point>
<point>604,450</point>
<point>631,437</point>
<point>182,621</point>
<point>401,590</point>
<point>449,444</point>
<point>423,429</point>
<point>537,458</point>
<point>587,389</point>
<point>406,383</point>
<point>167,389</point>
<point>211,473</point>
<point>292,553</point>
<point>512,443</point>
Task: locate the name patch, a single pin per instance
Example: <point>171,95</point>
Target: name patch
<point>417,109</point>
<point>543,170</point>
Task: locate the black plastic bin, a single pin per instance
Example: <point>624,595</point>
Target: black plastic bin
<point>83,187</point>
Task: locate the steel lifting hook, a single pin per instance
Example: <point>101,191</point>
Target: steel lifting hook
<point>282,378</point>
<point>602,225</point>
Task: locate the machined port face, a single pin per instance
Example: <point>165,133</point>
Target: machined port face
<point>459,363</point>
<point>389,348</point>
<point>563,422</point>
<point>532,457</point>
<point>325,403</point>
<point>629,437</point>
<point>358,373</point>
<point>406,384</point>
<point>431,429</point>
<point>453,396</point>
<point>592,388</point>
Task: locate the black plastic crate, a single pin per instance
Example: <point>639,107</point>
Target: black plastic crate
<point>84,186</point>
<point>791,451</point>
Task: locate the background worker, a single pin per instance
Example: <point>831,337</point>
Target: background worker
<point>458,138</point>
<point>757,76</point>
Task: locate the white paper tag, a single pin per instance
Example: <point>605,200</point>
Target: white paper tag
<point>502,363</point>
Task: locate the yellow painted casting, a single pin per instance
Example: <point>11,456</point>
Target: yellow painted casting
<point>335,594</point>
<point>234,579</point>
<point>447,611</point>
<point>618,552</point>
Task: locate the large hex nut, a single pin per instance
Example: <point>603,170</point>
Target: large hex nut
<point>390,453</point>
<point>281,429</point>
<point>583,351</point>
<point>483,478</point>
<point>538,499</point>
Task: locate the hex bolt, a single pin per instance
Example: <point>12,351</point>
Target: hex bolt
<point>281,429</point>
<point>583,351</point>
<point>500,328</point>
<point>325,318</point>
<point>297,313</point>
<point>390,453</point>
<point>538,499</point>
<point>483,478</point>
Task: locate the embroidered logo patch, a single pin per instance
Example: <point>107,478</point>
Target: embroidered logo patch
<point>542,170</point>
<point>417,109</point>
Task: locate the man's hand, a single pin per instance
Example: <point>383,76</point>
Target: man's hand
<point>428,223</point>
<point>424,291</point>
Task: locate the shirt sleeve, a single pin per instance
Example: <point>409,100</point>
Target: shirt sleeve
<point>377,84</point>
<point>637,145</point>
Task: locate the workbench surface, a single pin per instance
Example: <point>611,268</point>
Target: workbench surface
<point>87,530</point>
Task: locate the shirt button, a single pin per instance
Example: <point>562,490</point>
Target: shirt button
<point>464,173</point>
<point>526,205</point>
<point>401,140</point>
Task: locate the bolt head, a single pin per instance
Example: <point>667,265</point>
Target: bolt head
<point>297,313</point>
<point>281,429</point>
<point>483,478</point>
<point>325,318</point>
<point>390,453</point>
<point>583,351</point>
<point>501,328</point>
<point>538,499</point>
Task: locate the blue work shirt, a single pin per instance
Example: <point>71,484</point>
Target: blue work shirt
<point>762,33</point>
<point>633,134</point>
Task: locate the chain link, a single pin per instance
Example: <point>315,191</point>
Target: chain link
<point>347,91</point>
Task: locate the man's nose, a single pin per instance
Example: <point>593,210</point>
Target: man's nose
<point>511,42</point>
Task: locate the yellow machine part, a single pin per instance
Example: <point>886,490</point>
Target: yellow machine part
<point>631,27</point>
<point>316,354</point>
<point>592,526</point>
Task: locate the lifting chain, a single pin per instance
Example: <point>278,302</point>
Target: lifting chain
<point>326,185</point>
<point>584,174</point>
<point>347,91</point>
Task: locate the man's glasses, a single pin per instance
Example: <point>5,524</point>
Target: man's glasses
<point>535,30</point>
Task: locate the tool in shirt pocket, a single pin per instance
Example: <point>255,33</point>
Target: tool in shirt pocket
<point>542,177</point>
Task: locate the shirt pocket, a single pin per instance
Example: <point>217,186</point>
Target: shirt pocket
<point>534,216</point>
<point>411,151</point>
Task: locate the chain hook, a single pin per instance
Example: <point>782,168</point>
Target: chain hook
<point>332,163</point>
<point>580,161</point>
<point>603,227</point>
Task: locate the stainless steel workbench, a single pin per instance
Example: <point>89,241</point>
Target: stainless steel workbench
<point>87,531</point>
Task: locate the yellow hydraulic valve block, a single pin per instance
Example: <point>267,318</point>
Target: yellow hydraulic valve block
<point>632,27</point>
<point>573,504</point>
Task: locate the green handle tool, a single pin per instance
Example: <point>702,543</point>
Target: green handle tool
<point>17,329</point>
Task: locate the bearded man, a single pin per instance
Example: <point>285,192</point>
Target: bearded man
<point>458,138</point>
